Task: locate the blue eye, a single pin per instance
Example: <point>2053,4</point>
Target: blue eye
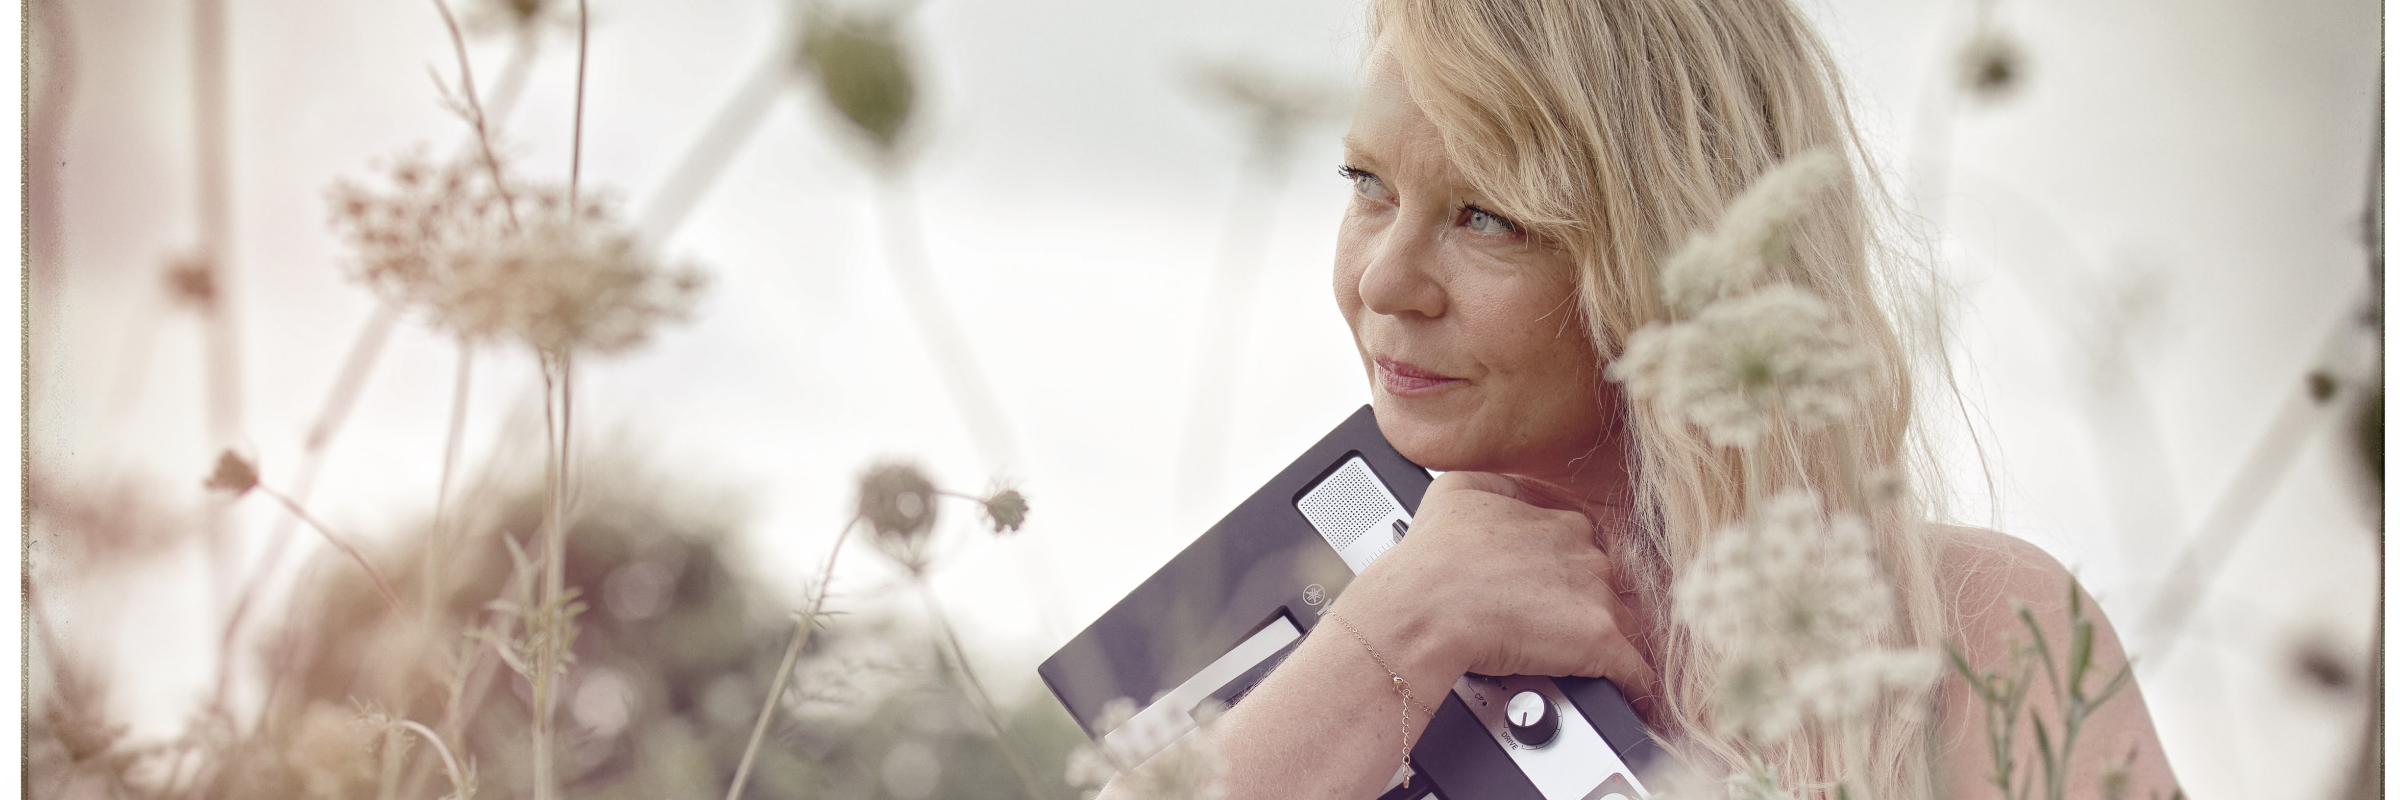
<point>1365,183</point>
<point>1482,221</point>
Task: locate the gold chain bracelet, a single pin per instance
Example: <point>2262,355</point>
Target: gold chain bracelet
<point>1399,685</point>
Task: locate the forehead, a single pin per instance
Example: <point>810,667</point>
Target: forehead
<point>1389,130</point>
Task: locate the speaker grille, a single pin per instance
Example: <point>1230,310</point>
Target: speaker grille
<point>1348,504</point>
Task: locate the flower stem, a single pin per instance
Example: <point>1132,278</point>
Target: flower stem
<point>977,698</point>
<point>551,626</point>
<point>583,49</point>
<point>459,787</point>
<point>954,359</point>
<point>483,133</point>
<point>381,586</point>
<point>805,623</point>
<point>353,375</point>
<point>438,544</point>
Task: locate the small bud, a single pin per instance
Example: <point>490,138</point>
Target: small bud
<point>2317,661</point>
<point>191,283</point>
<point>2321,386</point>
<point>234,474</point>
<point>1991,67</point>
<point>862,65</point>
<point>1005,510</point>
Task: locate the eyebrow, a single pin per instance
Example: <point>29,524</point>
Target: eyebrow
<point>1353,146</point>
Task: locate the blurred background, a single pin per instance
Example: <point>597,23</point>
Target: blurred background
<point>1087,256</point>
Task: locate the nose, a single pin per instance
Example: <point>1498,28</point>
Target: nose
<point>1399,277</point>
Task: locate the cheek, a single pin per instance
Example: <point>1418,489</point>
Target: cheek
<point>1349,262</point>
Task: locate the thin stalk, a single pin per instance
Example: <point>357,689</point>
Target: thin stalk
<point>1241,253</point>
<point>475,118</point>
<point>583,48</point>
<point>437,546</point>
<point>977,697</point>
<point>2220,533</point>
<point>458,778</point>
<point>954,359</point>
<point>513,74</point>
<point>557,400</point>
<point>387,784</point>
<point>221,347</point>
<point>707,156</point>
<point>382,587</point>
<point>364,353</point>
<point>791,657</point>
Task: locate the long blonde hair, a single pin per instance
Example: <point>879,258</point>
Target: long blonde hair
<point>1615,129</point>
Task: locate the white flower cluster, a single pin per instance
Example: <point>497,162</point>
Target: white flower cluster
<point>1734,255</point>
<point>1775,352</point>
<point>1786,598</point>
<point>1186,764</point>
<point>1736,358</point>
<point>523,264</point>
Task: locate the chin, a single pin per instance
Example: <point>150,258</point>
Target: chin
<point>1429,437</point>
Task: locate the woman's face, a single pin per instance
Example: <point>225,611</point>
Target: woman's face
<point>1467,328</point>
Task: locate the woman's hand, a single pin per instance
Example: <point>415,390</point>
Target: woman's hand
<point>1502,586</point>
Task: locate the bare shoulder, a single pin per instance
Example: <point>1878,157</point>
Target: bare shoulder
<point>1983,575</point>
<point>1986,577</point>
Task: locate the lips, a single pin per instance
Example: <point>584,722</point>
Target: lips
<point>1403,379</point>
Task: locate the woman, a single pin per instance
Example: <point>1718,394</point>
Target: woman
<point>1522,168</point>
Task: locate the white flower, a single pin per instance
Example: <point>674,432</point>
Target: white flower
<point>1719,262</point>
<point>562,284</point>
<point>1755,781</point>
<point>1777,351</point>
<point>1791,601</point>
<point>1189,767</point>
<point>525,265</point>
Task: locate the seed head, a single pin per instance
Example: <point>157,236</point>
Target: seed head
<point>234,474</point>
<point>862,65</point>
<point>897,501</point>
<point>1005,510</point>
<point>1991,67</point>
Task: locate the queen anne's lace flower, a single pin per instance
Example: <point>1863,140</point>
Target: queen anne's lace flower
<point>1777,351</point>
<point>1787,598</point>
<point>523,265</point>
<point>1185,764</point>
<point>1715,263</point>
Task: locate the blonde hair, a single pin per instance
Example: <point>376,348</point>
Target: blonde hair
<point>1614,129</point>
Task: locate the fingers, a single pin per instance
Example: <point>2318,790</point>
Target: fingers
<point>1490,482</point>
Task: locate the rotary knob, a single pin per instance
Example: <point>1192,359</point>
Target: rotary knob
<point>1532,719</point>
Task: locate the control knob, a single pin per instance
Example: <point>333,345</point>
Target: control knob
<point>1532,719</point>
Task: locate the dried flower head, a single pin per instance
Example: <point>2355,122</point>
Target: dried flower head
<point>1777,352</point>
<point>897,501</point>
<point>862,65</point>
<point>518,16</point>
<point>1991,66</point>
<point>1274,105</point>
<point>234,474</point>
<point>191,283</point>
<point>523,265</point>
<point>1791,600</point>
<point>563,284</point>
<point>1005,510</point>
<point>1750,236</point>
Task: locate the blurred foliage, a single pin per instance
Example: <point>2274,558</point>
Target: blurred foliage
<point>671,666</point>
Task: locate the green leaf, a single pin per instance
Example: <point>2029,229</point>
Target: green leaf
<point>1958,661</point>
<point>2080,658</point>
